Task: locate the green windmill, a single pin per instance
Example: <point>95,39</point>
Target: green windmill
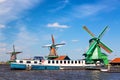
<point>94,53</point>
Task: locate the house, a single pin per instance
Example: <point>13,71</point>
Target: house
<point>115,62</point>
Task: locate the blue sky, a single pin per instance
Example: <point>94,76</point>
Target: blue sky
<point>28,24</point>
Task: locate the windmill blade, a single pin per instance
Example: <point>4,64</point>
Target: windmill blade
<point>53,41</point>
<point>102,33</point>
<point>17,52</point>
<point>9,52</point>
<point>13,48</point>
<point>105,47</point>
<point>49,45</point>
<point>91,47</point>
<point>60,44</point>
<point>86,29</point>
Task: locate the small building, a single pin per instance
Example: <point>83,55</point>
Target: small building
<point>115,62</point>
<point>64,57</point>
<point>114,65</point>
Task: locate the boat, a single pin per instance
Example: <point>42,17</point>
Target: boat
<point>104,70</point>
<point>49,64</point>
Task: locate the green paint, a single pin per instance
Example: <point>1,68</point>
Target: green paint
<point>94,53</point>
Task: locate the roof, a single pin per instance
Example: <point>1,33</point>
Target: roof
<point>64,57</point>
<point>116,60</point>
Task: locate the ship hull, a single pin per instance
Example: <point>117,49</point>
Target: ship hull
<point>17,66</point>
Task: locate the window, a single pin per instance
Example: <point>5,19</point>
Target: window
<point>56,62</point>
<point>64,62</point>
<point>35,62</point>
<point>49,62</point>
<point>75,62</point>
<point>68,62</point>
<point>21,61</point>
<point>40,60</point>
<point>53,62</point>
<point>28,62</point>
<point>71,62</point>
<point>61,62</point>
<point>79,62</point>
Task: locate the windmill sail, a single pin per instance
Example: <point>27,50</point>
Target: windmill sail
<point>53,47</point>
<point>105,47</point>
<point>53,41</point>
<point>102,33</point>
<point>13,54</point>
<point>85,28</point>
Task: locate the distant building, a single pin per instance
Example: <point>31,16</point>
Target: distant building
<point>115,62</point>
<point>64,57</point>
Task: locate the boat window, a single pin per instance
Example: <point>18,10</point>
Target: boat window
<point>61,62</point>
<point>35,62</point>
<point>28,62</point>
<point>64,62</point>
<point>40,60</point>
<point>49,62</point>
<point>56,62</point>
<point>21,61</point>
<point>79,62</point>
<point>53,62</point>
<point>72,62</point>
<point>75,62</point>
<point>68,62</point>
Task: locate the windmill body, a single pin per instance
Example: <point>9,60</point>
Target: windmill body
<point>53,49</point>
<point>13,54</point>
<point>94,53</point>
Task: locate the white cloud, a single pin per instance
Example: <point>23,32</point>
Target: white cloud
<point>75,40</point>
<point>25,38</point>
<point>57,25</point>
<point>25,41</point>
<point>2,44</point>
<point>2,26</point>
<point>60,5</point>
<point>12,9</point>
<point>63,42</point>
<point>87,10</point>
<point>1,1</point>
<point>3,48</point>
<point>77,50</point>
<point>93,9</point>
<point>2,37</point>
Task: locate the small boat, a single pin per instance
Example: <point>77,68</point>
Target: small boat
<point>104,70</point>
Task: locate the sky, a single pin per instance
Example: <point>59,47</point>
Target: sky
<point>28,24</point>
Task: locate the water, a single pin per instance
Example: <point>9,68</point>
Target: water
<point>7,74</point>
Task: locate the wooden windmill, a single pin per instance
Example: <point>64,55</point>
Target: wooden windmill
<point>13,54</point>
<point>53,47</point>
<point>94,53</point>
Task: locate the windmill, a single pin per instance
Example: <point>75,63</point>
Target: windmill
<point>94,53</point>
<point>13,54</point>
<point>53,47</point>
